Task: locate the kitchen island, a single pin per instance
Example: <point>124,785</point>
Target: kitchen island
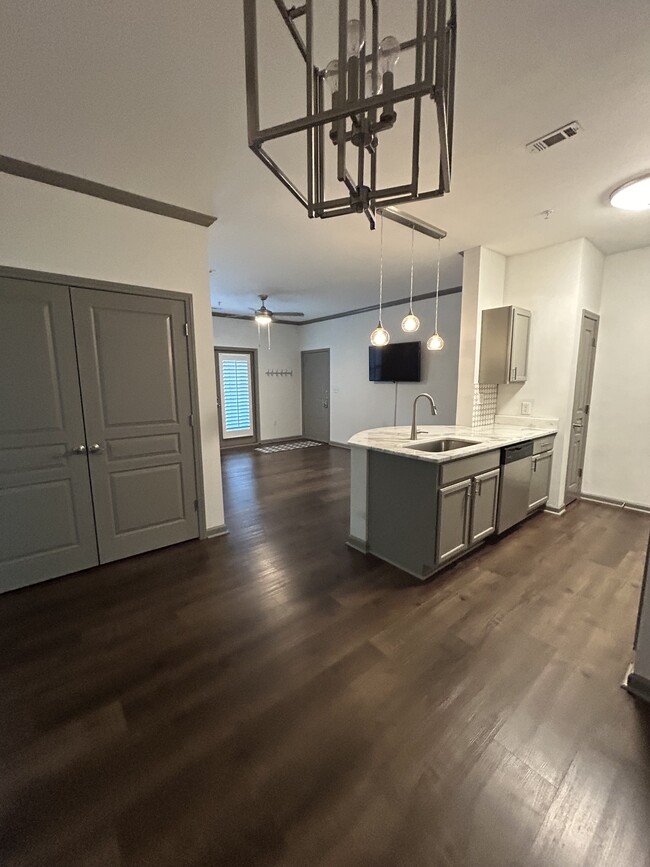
<point>422,503</point>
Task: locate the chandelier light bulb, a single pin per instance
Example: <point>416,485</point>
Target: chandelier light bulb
<point>356,37</point>
<point>632,196</point>
<point>388,54</point>
<point>410,323</point>
<point>435,342</point>
<point>379,337</point>
<point>373,87</point>
<point>331,75</point>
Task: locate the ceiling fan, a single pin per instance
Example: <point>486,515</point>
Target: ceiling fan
<point>264,316</point>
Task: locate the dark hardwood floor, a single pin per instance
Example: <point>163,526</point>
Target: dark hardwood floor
<point>274,698</point>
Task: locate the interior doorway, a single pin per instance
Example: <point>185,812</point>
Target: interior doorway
<point>316,395</point>
<point>237,398</point>
<point>581,403</point>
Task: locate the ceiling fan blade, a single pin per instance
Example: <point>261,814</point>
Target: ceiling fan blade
<point>286,313</point>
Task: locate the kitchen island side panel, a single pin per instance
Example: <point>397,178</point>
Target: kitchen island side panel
<point>402,506</point>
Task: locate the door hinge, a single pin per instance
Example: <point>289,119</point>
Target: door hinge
<point>580,473</point>
<point>587,409</point>
<point>191,419</point>
<point>196,505</point>
<point>187,329</point>
<point>593,342</point>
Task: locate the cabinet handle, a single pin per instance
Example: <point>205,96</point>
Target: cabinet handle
<point>79,450</point>
<point>535,465</point>
<point>95,449</point>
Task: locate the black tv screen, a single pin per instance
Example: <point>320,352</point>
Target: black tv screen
<point>397,362</point>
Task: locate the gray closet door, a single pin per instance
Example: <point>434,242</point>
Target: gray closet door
<point>46,516</point>
<point>135,385</point>
<point>316,395</point>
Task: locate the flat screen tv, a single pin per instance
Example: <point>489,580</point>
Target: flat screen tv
<point>397,362</point>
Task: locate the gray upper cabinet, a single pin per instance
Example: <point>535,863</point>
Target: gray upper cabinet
<point>485,495</point>
<point>505,337</point>
<point>540,479</point>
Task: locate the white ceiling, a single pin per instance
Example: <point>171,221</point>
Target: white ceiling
<point>149,97</point>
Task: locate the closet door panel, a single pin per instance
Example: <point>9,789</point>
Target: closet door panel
<point>46,516</point>
<point>133,361</point>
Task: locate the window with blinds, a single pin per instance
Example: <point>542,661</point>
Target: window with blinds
<point>236,395</point>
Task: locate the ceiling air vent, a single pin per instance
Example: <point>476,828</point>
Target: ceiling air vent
<point>552,138</point>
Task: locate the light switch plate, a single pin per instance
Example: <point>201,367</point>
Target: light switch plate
<point>526,407</point>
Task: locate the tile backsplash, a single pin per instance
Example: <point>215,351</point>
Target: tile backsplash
<point>484,407</point>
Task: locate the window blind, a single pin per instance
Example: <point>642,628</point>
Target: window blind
<point>236,394</point>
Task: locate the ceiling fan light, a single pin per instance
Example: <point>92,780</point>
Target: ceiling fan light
<point>633,195</point>
<point>410,323</point>
<point>263,317</point>
<point>380,337</point>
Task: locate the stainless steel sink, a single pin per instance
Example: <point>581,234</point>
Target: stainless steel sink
<point>447,445</point>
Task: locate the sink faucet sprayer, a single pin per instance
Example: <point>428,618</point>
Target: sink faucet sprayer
<point>434,411</point>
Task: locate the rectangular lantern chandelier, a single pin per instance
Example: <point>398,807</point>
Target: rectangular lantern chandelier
<point>362,104</point>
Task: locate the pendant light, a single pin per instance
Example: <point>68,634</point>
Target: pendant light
<point>380,337</point>
<point>411,323</point>
<point>435,342</point>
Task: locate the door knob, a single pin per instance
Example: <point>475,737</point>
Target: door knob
<point>79,450</point>
<point>95,448</point>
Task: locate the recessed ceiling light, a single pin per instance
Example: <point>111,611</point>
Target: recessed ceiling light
<point>632,196</point>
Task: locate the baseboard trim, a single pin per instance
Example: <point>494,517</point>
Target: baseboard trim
<point>638,686</point>
<point>215,532</point>
<point>553,511</point>
<point>280,440</point>
<point>357,544</point>
<point>611,501</point>
<point>338,445</point>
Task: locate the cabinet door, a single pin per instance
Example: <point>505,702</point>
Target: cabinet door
<point>453,520</point>
<point>519,338</point>
<point>540,480</point>
<point>484,506</point>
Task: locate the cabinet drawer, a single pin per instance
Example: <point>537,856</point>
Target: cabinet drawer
<point>463,468</point>
<point>543,444</point>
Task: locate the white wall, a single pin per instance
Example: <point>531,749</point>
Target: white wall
<point>49,229</point>
<point>554,283</point>
<point>618,442</point>
<point>357,404</point>
<point>279,396</point>
<point>483,286</point>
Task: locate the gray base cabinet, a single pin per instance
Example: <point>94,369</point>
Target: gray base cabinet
<point>422,515</point>
<point>540,480</point>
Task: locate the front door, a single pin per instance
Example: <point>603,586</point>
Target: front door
<point>316,395</point>
<point>47,527</point>
<point>581,400</point>
<point>135,384</point>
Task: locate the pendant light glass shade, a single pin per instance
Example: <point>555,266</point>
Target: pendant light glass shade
<point>410,323</point>
<point>380,337</point>
<point>262,317</point>
<point>435,342</point>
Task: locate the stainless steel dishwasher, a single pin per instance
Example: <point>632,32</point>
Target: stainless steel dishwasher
<point>516,468</point>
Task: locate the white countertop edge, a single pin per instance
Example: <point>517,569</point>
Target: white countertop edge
<point>395,440</point>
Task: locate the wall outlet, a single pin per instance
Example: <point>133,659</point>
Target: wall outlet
<point>526,407</point>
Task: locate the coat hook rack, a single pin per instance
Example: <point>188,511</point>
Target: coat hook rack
<point>279,372</point>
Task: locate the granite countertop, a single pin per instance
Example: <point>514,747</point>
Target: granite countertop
<point>395,440</point>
